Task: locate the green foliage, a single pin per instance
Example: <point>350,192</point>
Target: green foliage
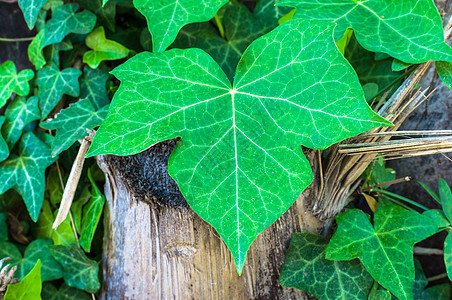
<point>166,18</point>
<point>305,260</point>
<point>35,54</point>
<point>11,81</point>
<point>4,151</point>
<point>92,86</point>
<point>445,72</point>
<point>103,49</point>
<point>65,292</point>
<point>79,271</point>
<point>105,13</point>
<point>36,250</point>
<point>243,134</point>
<point>29,288</point>
<point>385,249</point>
<point>437,292</point>
<point>31,8</point>
<point>53,83</point>
<point>383,25</point>
<point>26,172</point>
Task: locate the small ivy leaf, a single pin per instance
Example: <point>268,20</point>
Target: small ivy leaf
<point>241,27</point>
<point>29,288</point>
<point>445,196</point>
<point>306,268</point>
<point>11,81</point>
<point>93,86</point>
<point>309,96</point>
<point>448,254</point>
<point>166,18</point>
<point>43,228</point>
<point>65,20</point>
<point>64,234</point>
<point>71,124</point>
<point>19,113</point>
<point>444,70</point>
<point>77,208</point>
<point>91,215</point>
<point>50,292</point>
<point>26,173</point>
<point>4,150</point>
<point>438,292</point>
<point>36,250</point>
<point>104,49</point>
<point>410,31</point>
<point>386,250</point>
<point>30,9</point>
<point>105,13</point>
<point>79,271</point>
<point>53,83</point>
<point>369,69</point>
<point>35,50</point>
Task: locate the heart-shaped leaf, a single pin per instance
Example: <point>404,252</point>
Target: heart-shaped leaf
<point>306,268</point>
<point>386,250</point>
<point>26,173</point>
<point>410,30</point>
<point>240,164</point>
<point>30,9</point>
<point>11,82</point>
<point>166,17</point>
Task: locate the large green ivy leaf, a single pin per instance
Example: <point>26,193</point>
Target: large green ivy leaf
<point>106,14</point>
<point>53,83</point>
<point>31,8</point>
<point>79,271</point>
<point>19,113</point>
<point>239,164</point>
<point>65,20</point>
<point>166,17</point>
<point>410,30</point>
<point>36,250</point>
<point>103,49</point>
<point>91,215</point>
<point>93,86</point>
<point>71,124</point>
<point>386,250</point>
<point>241,27</point>
<point>26,173</point>
<point>11,81</point>
<point>444,70</point>
<point>306,268</point>
<point>65,292</point>
<point>4,150</point>
<point>30,287</point>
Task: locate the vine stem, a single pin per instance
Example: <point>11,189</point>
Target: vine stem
<point>437,277</point>
<point>12,40</point>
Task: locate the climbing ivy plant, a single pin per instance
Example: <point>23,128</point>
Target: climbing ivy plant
<point>243,93</point>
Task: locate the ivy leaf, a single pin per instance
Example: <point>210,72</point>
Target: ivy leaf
<point>29,288</point>
<point>438,292</point>
<point>65,20</point>
<point>79,271</point>
<point>286,93</point>
<point>305,261</point>
<point>104,2</point>
<point>64,234</point>
<point>54,189</point>
<point>93,86</point>
<point>105,13</point>
<point>36,250</point>
<point>77,208</point>
<point>166,18</point>
<point>71,124</point>
<point>35,54</point>
<point>91,215</point>
<point>50,292</point>
<point>241,27</point>
<point>269,13</point>
<point>445,196</point>
<point>386,250</point>
<point>31,8</point>
<point>444,70</point>
<point>11,81</point>
<point>19,113</point>
<point>104,49</point>
<point>26,173</point>
<point>448,254</point>
<point>53,83</point>
<point>410,31</point>
<point>4,150</point>
<point>43,228</point>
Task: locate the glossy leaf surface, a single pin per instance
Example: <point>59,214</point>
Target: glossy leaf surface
<point>237,142</point>
<point>30,9</point>
<point>386,250</point>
